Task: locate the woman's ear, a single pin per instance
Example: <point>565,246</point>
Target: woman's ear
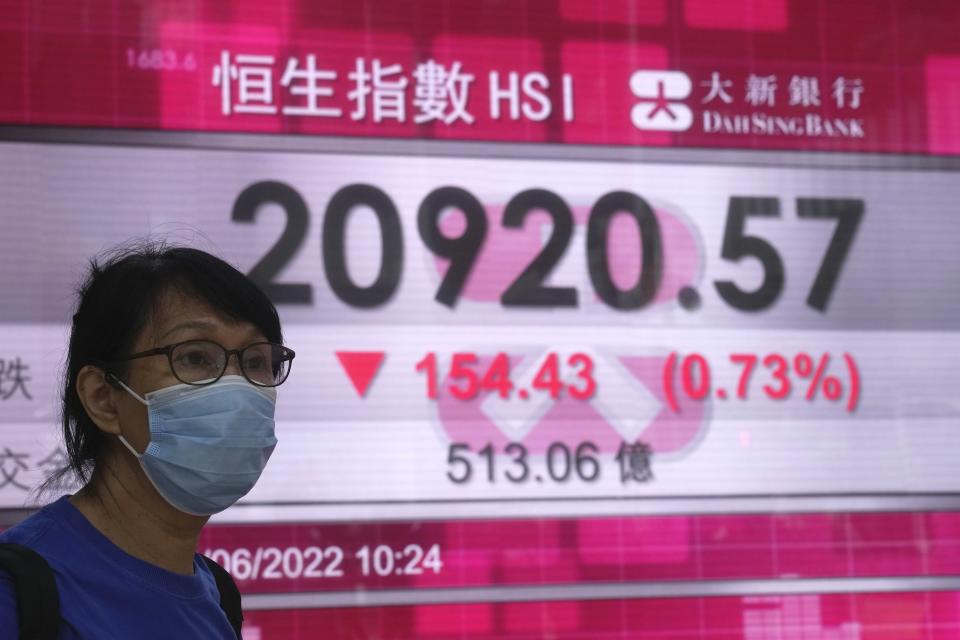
<point>98,397</point>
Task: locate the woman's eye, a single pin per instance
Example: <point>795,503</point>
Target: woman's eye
<point>254,363</point>
<point>194,359</point>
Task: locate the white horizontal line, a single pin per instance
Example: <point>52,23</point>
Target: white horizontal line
<point>602,591</point>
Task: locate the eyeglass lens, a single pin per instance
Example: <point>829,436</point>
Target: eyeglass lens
<point>262,363</point>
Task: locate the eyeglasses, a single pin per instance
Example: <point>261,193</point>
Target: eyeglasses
<point>203,362</point>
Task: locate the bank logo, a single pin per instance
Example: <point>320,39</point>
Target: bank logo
<point>660,93</point>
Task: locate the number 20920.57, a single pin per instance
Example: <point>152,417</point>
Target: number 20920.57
<point>528,289</point>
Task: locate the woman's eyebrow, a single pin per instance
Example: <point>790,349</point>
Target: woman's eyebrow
<point>190,324</point>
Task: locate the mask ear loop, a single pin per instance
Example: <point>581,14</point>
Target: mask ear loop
<point>124,442</point>
<point>115,380</point>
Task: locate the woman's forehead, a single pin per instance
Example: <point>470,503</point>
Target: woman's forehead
<point>177,313</point>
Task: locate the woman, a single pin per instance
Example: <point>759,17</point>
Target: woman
<point>168,408</point>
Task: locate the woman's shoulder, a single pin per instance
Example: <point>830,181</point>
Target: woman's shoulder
<point>27,533</point>
<point>8,604</point>
<point>36,526</point>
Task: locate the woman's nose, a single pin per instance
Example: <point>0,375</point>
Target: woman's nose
<point>233,365</point>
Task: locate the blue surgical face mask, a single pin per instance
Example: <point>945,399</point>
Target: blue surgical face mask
<point>208,445</point>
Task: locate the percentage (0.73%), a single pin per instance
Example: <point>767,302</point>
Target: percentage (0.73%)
<point>693,373</point>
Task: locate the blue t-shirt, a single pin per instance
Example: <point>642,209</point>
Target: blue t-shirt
<point>107,593</point>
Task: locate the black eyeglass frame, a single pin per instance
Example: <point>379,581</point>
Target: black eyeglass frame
<point>169,349</point>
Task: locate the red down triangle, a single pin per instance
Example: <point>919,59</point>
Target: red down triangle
<point>360,367</point>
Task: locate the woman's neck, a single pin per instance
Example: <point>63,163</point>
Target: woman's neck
<point>121,503</point>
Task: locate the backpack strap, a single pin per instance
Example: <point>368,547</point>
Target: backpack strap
<point>229,594</point>
<point>38,601</point>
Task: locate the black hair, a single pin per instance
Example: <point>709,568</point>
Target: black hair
<point>120,293</point>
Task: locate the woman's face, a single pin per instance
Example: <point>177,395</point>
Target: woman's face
<point>179,317</point>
